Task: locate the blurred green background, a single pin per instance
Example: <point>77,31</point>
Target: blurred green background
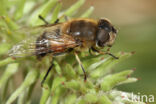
<point>136,22</point>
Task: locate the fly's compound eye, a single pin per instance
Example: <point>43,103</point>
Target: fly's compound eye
<point>104,24</point>
<point>102,37</point>
<point>104,29</point>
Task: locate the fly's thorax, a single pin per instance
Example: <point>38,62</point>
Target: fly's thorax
<point>81,29</point>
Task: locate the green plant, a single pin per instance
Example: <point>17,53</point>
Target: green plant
<point>65,83</point>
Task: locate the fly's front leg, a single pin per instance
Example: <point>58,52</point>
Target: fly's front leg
<point>107,52</point>
<point>79,61</point>
<point>111,55</point>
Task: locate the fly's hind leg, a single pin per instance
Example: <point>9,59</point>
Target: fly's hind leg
<point>79,61</point>
<point>47,23</point>
<point>58,19</point>
<point>43,19</point>
<point>46,75</point>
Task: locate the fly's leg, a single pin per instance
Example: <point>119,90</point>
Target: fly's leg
<point>112,55</point>
<point>79,61</point>
<point>107,52</point>
<point>46,75</point>
<point>42,18</point>
<point>58,19</point>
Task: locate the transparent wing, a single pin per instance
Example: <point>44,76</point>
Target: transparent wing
<point>47,40</point>
<point>24,48</point>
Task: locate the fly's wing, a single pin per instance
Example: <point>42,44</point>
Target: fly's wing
<point>24,48</point>
<point>27,46</point>
<point>62,43</point>
<point>48,40</point>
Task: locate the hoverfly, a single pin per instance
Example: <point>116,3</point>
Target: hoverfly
<point>73,35</point>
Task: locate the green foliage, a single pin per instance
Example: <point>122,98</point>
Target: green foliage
<point>65,83</point>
